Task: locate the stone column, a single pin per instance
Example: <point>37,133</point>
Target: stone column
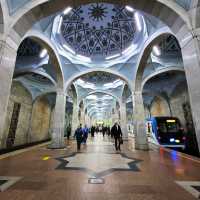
<point>115,115</point>
<point>82,119</point>
<point>57,136</point>
<point>7,66</point>
<point>141,142</point>
<point>75,121</point>
<point>123,120</point>
<point>191,60</point>
<point>87,120</point>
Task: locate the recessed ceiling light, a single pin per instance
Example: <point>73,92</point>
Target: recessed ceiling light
<point>156,50</point>
<point>129,8</point>
<point>60,24</point>
<point>138,22</point>
<point>67,10</point>
<point>69,49</point>
<point>43,53</point>
<point>113,56</point>
<point>84,58</point>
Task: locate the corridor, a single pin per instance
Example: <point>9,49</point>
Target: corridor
<point>98,172</point>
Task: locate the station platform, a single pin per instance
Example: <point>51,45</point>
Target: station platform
<point>99,172</point>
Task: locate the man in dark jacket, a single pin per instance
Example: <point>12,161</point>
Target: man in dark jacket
<point>92,131</point>
<point>68,131</point>
<point>79,137</point>
<point>117,133</point>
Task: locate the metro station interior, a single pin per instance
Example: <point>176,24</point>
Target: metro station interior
<point>97,63</point>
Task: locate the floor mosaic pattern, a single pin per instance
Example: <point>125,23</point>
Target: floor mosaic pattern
<point>99,164</point>
<point>99,172</point>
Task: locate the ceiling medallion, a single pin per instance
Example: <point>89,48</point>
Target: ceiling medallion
<point>97,12</point>
<point>98,29</point>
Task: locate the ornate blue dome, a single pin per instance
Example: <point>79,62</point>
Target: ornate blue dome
<point>98,29</point>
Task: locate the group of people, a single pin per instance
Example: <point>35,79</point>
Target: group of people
<point>104,129</point>
<point>81,134</point>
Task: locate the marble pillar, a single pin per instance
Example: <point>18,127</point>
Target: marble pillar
<point>58,128</point>
<point>141,142</point>
<point>115,116</point>
<point>82,117</point>
<point>191,60</point>
<point>87,120</point>
<point>75,121</point>
<point>123,120</point>
<point>7,66</point>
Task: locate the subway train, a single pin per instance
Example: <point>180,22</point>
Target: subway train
<point>166,131</point>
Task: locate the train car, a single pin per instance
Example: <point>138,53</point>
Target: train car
<point>166,131</point>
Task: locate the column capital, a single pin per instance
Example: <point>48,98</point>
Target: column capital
<point>135,93</point>
<point>9,44</point>
<point>61,92</point>
<point>189,37</point>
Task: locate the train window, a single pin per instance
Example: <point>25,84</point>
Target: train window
<point>172,127</point>
<point>168,126</point>
<point>162,127</point>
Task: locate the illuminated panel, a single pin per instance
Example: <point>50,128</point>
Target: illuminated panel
<point>171,120</point>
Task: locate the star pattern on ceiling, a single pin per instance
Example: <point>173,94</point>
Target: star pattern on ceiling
<point>99,77</point>
<point>97,12</point>
<point>98,29</point>
<point>38,78</point>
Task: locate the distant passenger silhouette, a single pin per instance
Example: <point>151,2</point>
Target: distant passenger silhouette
<point>117,134</point>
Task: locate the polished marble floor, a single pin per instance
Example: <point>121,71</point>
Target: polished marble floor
<point>66,174</point>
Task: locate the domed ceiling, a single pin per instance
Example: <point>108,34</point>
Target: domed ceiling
<point>98,29</point>
<point>99,77</point>
<point>28,48</point>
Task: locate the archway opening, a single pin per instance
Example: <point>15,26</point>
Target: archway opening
<point>30,106</point>
<point>165,90</point>
<point>100,99</point>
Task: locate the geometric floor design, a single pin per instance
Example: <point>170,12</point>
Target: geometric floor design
<point>193,187</point>
<point>7,181</point>
<point>99,172</point>
<point>98,165</point>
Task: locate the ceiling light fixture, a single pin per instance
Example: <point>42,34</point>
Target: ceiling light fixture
<point>84,58</point>
<point>129,49</point>
<point>60,24</point>
<point>43,53</point>
<point>129,8</point>
<point>67,10</point>
<point>138,22</point>
<point>113,56</point>
<point>156,50</point>
<point>69,49</point>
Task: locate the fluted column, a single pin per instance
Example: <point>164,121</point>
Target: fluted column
<point>7,66</point>
<point>115,115</point>
<point>82,119</point>
<point>123,120</point>
<point>57,136</point>
<point>141,142</point>
<point>75,121</point>
<point>191,58</point>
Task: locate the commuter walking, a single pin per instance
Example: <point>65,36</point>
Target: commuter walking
<point>79,137</point>
<point>92,131</point>
<point>68,131</point>
<point>85,134</point>
<point>108,131</point>
<point>117,134</point>
<point>103,130</point>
